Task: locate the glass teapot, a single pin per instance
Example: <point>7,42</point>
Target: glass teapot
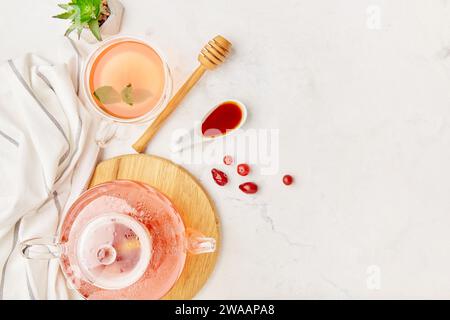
<point>121,240</point>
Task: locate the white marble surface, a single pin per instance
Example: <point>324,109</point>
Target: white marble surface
<point>363,109</point>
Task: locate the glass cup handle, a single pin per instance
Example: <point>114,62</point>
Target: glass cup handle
<point>197,243</point>
<point>106,131</point>
<point>41,248</point>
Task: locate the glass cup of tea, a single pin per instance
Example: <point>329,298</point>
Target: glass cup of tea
<point>126,80</point>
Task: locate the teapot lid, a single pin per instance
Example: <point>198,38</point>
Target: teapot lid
<point>113,250</point>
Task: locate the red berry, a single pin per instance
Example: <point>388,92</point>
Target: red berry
<point>228,160</point>
<point>287,179</point>
<point>249,187</point>
<point>243,169</point>
<point>219,177</point>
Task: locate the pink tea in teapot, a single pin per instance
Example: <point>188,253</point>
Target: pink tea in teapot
<point>129,241</point>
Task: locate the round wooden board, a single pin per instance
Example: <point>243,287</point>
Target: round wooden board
<point>188,196</point>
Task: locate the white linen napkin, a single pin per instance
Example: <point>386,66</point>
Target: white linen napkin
<point>47,154</point>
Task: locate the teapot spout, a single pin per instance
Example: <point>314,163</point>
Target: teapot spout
<point>197,243</point>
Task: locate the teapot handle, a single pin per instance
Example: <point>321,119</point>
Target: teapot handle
<point>197,243</point>
<point>41,248</point>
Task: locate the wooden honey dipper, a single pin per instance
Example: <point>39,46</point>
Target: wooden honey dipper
<point>212,55</point>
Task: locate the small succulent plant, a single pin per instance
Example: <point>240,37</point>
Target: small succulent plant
<point>85,14</point>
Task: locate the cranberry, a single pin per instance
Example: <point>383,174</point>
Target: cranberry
<point>249,187</point>
<point>287,179</point>
<point>243,169</point>
<point>228,160</point>
<point>219,177</point>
